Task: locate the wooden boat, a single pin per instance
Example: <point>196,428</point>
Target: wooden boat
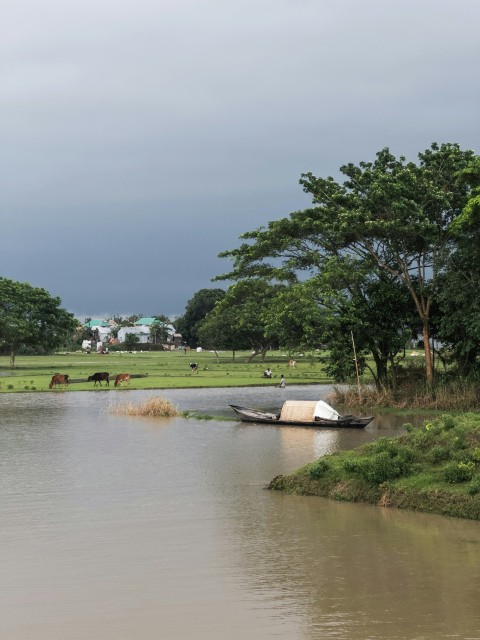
<point>303,413</point>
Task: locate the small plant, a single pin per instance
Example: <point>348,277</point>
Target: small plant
<point>438,454</point>
<point>474,486</point>
<point>459,472</point>
<point>476,454</point>
<point>448,422</point>
<point>318,469</point>
<point>353,465</point>
<point>9,386</point>
<point>383,466</point>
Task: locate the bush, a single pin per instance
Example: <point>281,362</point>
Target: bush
<point>382,467</point>
<point>318,469</point>
<point>438,454</point>
<point>459,472</point>
<point>474,486</point>
<point>448,422</point>
<point>353,465</point>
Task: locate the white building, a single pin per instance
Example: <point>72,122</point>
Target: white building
<point>142,332</point>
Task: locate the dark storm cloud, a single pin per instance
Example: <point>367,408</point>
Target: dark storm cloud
<point>139,139</point>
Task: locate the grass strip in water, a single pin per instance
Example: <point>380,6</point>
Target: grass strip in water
<point>153,406</point>
<point>434,468</point>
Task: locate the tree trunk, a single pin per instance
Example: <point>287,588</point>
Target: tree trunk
<point>12,358</point>
<point>428,353</point>
<point>393,371</point>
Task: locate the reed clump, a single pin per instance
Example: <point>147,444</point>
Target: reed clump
<point>153,406</point>
<point>446,396</point>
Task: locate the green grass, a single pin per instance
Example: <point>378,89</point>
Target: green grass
<point>434,468</point>
<point>163,370</point>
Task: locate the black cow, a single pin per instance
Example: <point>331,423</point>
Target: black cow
<point>194,367</point>
<point>98,377</point>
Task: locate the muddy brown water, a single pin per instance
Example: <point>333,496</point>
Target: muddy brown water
<point>120,528</point>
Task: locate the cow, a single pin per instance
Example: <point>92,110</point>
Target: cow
<point>98,377</point>
<point>292,363</point>
<point>58,379</point>
<point>122,377</point>
<point>194,367</point>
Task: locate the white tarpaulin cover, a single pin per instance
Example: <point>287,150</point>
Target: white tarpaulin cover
<point>325,411</point>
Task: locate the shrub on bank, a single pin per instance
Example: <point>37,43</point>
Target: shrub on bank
<point>433,468</point>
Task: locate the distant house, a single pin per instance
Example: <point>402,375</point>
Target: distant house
<point>100,328</point>
<point>94,324</point>
<point>142,332</point>
<point>173,338</point>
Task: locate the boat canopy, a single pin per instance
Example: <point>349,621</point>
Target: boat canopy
<point>325,411</point>
<point>307,411</point>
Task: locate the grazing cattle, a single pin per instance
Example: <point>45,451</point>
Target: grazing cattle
<point>98,377</point>
<point>122,377</point>
<point>194,367</point>
<point>58,380</point>
<point>292,363</point>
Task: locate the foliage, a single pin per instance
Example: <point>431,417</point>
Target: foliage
<point>238,320</point>
<point>459,301</point>
<point>459,471</point>
<point>31,318</point>
<point>195,312</point>
<point>131,340</point>
<point>389,219</point>
<point>318,469</point>
<point>416,470</point>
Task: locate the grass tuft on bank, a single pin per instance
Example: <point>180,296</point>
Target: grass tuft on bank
<point>154,406</point>
<point>433,468</point>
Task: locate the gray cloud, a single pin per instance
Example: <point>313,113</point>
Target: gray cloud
<point>140,139</point>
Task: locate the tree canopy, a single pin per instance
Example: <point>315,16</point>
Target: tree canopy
<point>196,310</point>
<point>385,230</point>
<point>31,318</point>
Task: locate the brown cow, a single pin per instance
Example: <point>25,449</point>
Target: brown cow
<point>292,363</point>
<point>122,377</point>
<point>58,379</point>
<point>98,377</point>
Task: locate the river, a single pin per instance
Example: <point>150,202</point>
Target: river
<point>125,528</point>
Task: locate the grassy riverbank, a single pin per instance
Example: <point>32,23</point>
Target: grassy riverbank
<point>160,370</point>
<point>435,468</point>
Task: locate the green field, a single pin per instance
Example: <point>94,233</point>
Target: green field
<point>162,370</point>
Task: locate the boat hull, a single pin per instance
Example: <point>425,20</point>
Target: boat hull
<point>262,417</point>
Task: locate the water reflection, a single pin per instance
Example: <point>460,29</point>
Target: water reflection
<point>117,527</point>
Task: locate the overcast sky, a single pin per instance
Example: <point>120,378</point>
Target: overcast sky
<point>139,138</point>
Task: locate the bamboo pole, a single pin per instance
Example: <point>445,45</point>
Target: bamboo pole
<point>356,368</point>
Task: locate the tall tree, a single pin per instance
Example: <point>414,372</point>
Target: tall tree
<point>239,320</point>
<point>196,310</point>
<point>31,317</point>
<point>459,303</point>
<point>391,215</point>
